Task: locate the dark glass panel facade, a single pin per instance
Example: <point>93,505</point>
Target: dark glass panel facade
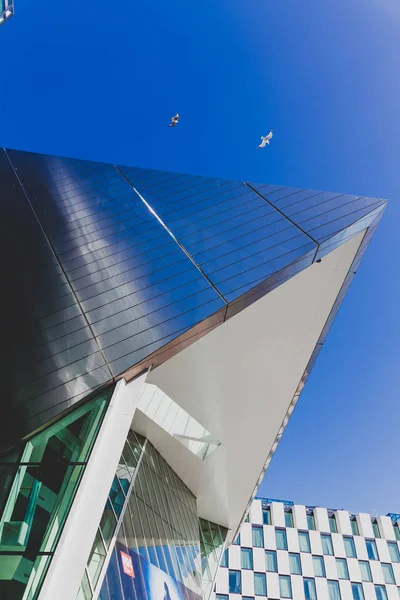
<point>116,268</point>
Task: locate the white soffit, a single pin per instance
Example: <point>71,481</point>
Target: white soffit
<point>238,382</point>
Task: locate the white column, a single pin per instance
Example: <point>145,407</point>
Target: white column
<point>386,528</point>
<point>256,513</point>
<point>278,514</point>
<point>321,519</point>
<point>66,569</point>
<point>343,522</point>
<point>300,517</point>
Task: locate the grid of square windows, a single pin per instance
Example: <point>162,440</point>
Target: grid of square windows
<point>296,544</point>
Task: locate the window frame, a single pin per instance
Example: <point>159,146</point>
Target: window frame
<point>355,530</point>
<point>375,528</point>
<point>366,562</point>
<point>267,516</point>
<point>373,545</point>
<point>306,536</point>
<point>283,530</point>
<point>318,556</point>
<point>311,519</point>
<point>247,551</point>
<point>350,539</point>
<point>225,555</point>
<point>333,528</point>
<point>297,556</point>
<point>342,561</point>
<point>359,586</point>
<point>289,516</point>
<point>264,576</point>
<point>391,573</point>
<point>240,581</point>
<point>258,528</point>
<point>309,579</point>
<point>327,536</point>
<point>392,544</point>
<point>273,552</point>
<point>285,578</point>
<point>335,581</point>
<point>381,587</point>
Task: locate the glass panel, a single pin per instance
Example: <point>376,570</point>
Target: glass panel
<point>281,541</point>
<point>270,561</point>
<point>319,566</point>
<point>309,589</point>
<point>311,521</point>
<point>365,570</point>
<point>394,551</point>
<point>19,573</point>
<point>221,596</point>
<point>341,565</point>
<point>349,547</point>
<point>354,526</point>
<point>380,592</point>
<point>96,559</point>
<point>225,559</point>
<point>357,590</point>
<point>285,586</point>
<point>304,541</point>
<point>334,590</point>
<point>397,531</point>
<point>288,518</point>
<point>332,524</point>
<point>258,536</point>
<point>235,582</point>
<point>372,550</point>
<point>236,541</point>
<point>267,516</point>
<point>260,584</point>
<point>295,564</point>
<point>85,591</point>
<point>388,574</point>
<point>375,527</point>
<point>246,557</point>
<point>327,547</point>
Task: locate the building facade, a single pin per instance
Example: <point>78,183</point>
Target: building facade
<point>289,551</point>
<point>6,10</point>
<point>140,309</point>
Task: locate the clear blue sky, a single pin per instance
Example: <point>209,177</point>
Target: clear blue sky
<point>100,79</point>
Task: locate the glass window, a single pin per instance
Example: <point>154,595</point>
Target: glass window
<point>372,550</point>
<point>394,551</point>
<point>257,534</point>
<point>319,566</point>
<point>235,582</point>
<point>304,541</point>
<point>354,526</point>
<point>357,590</point>
<point>341,565</point>
<point>246,558</point>
<point>334,590</point>
<point>396,531</point>
<point>281,540</point>
<point>270,561</point>
<point>388,574</point>
<point>365,570</point>
<point>285,586</point>
<point>295,564</point>
<point>309,589</point>
<point>327,547</point>
<point>225,559</point>
<point>375,527</point>
<point>289,518</point>
<point>332,523</point>
<point>267,516</point>
<point>310,520</point>
<point>236,541</point>
<point>349,547</point>
<point>221,596</point>
<point>260,584</point>
<point>246,519</point>
<point>380,592</point>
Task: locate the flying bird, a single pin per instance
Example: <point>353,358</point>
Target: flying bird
<point>265,139</point>
<point>174,120</point>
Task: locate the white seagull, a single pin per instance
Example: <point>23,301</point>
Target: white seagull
<point>265,139</point>
<point>174,120</point>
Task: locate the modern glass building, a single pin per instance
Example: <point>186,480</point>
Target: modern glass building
<point>6,10</point>
<point>157,331</point>
<point>285,550</point>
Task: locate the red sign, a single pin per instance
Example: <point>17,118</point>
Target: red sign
<point>127,564</point>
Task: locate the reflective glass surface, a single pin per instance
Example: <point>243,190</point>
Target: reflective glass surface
<point>37,495</point>
<point>122,267</point>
